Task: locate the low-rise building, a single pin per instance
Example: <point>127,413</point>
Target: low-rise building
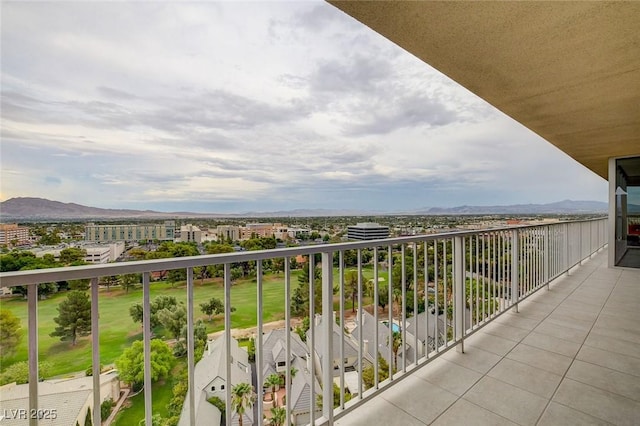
<point>210,381</point>
<point>64,401</point>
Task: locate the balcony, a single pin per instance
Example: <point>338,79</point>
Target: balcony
<point>504,334</point>
<point>568,356</point>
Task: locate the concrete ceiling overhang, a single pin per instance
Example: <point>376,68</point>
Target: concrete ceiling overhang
<point>569,71</point>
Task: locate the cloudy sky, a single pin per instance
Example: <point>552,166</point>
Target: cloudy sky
<point>262,106</point>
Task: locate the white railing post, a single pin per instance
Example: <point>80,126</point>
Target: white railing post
<point>459,290</point>
<point>95,351</point>
<point>258,343</point>
<point>327,332</point>
<point>32,300</point>
<point>190,349</point>
<point>227,342</point>
<point>515,272</point>
<point>146,337</point>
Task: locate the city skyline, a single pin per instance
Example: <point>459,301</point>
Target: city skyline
<point>231,107</point>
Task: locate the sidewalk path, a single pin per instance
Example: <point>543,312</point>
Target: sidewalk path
<point>238,333</point>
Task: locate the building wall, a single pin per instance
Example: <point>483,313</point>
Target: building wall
<point>11,231</point>
<point>367,231</point>
<point>108,233</point>
<point>225,232</point>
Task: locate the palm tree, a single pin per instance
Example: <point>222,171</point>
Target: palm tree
<point>278,416</point>
<point>396,342</point>
<point>272,381</point>
<point>242,397</point>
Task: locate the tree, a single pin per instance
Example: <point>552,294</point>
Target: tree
<point>242,398</point>
<point>396,343</point>
<point>72,255</point>
<point>131,366</point>
<point>278,416</point>
<point>19,372</point>
<point>368,374</point>
<point>212,306</point>
<point>157,304</point>
<point>300,297</point>
<point>108,281</point>
<point>173,320</point>
<point>82,284</point>
<point>87,419</point>
<point>105,408</point>
<point>273,380</point>
<point>74,317</point>
<point>383,295</point>
<point>129,280</point>
<point>10,334</point>
<point>351,284</point>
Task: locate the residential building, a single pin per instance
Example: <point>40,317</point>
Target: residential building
<point>274,361</point>
<point>348,361</point>
<point>210,381</point>
<point>66,401</point>
<point>130,232</point>
<point>190,234</point>
<point>261,230</point>
<point>367,231</point>
<point>11,232</point>
<point>228,233</point>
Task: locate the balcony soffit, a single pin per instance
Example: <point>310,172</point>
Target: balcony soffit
<point>569,71</point>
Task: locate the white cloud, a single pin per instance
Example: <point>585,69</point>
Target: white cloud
<point>250,106</point>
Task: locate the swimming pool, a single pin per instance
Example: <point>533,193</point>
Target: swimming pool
<point>394,327</point>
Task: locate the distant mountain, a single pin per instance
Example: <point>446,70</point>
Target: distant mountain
<point>40,208</point>
<point>560,207</point>
<point>27,208</point>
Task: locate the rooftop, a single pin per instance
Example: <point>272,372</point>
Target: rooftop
<point>571,355</point>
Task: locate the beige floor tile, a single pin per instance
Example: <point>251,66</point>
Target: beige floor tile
<point>378,412</point>
<point>466,413</point>
<point>473,358</point>
<point>540,358</point>
<point>551,343</point>
<point>490,343</point>
<point>615,361</point>
<point>507,401</point>
<point>558,414</point>
<point>598,403</point>
<point>419,398</point>
<point>449,376</point>
<point>526,377</point>
<point>606,379</point>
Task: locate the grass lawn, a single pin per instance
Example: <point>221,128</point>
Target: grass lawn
<point>161,394</point>
<point>118,331</point>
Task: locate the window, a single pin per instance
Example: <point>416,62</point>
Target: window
<point>213,388</point>
<point>221,387</point>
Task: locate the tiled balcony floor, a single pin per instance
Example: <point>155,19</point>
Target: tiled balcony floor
<point>570,356</point>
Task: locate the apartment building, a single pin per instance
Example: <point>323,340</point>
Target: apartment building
<point>228,232</point>
<point>130,232</point>
<point>12,232</point>
<point>190,234</point>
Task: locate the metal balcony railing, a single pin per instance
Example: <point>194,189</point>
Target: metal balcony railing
<point>440,289</point>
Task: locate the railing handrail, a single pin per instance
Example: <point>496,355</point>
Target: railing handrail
<point>37,276</point>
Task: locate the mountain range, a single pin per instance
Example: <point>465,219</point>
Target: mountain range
<point>28,208</point>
